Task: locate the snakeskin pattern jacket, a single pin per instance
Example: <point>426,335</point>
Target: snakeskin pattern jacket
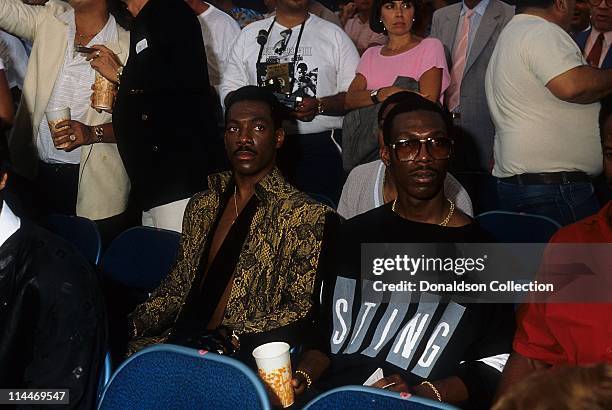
<point>274,278</point>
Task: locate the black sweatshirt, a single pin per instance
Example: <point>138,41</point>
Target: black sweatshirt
<point>418,336</point>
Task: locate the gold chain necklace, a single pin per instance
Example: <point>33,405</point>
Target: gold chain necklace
<point>80,38</point>
<point>235,204</point>
<point>445,221</point>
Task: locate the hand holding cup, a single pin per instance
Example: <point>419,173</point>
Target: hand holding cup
<point>274,366</point>
<point>54,118</point>
<point>72,134</point>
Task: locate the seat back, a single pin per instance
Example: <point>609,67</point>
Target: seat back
<point>81,232</point>
<point>105,374</point>
<point>369,398</point>
<point>323,199</point>
<point>141,257</point>
<point>514,227</point>
<point>175,377</point>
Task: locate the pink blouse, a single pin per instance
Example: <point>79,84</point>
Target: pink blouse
<point>381,71</point>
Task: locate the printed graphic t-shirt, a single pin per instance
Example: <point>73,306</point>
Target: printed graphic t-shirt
<point>324,64</point>
<point>418,335</point>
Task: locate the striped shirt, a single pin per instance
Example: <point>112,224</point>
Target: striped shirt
<point>72,89</point>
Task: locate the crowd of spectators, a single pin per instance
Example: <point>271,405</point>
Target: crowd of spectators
<point>279,136</point>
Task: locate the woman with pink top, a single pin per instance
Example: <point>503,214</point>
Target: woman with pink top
<point>405,55</point>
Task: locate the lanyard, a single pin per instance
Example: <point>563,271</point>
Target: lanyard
<point>295,54</point>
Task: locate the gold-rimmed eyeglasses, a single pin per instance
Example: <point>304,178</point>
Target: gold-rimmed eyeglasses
<point>409,149</point>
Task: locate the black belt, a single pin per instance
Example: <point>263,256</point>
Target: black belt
<point>548,178</point>
<point>58,167</point>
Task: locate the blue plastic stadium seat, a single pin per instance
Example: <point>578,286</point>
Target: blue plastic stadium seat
<point>172,377</point>
<point>322,199</point>
<point>514,227</point>
<point>140,257</point>
<point>81,232</point>
<point>369,398</point>
<point>105,374</point>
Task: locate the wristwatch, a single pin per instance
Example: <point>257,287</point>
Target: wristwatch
<point>374,96</point>
<point>320,108</point>
<point>99,131</point>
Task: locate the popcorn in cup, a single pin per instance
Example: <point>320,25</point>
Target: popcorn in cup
<point>274,365</point>
<point>103,94</point>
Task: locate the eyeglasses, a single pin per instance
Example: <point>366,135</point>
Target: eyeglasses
<point>596,3</point>
<point>409,149</point>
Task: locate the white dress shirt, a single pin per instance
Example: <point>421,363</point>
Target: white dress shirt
<point>9,223</point>
<point>479,11</point>
<point>605,47</point>
<point>72,89</point>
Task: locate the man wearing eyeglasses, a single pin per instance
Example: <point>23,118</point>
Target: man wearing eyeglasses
<point>371,185</point>
<point>361,332</point>
<point>595,43</point>
<point>543,98</point>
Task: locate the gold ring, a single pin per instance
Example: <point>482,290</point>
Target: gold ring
<point>98,53</point>
<point>72,137</point>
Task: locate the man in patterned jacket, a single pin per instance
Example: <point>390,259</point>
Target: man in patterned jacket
<point>251,245</point>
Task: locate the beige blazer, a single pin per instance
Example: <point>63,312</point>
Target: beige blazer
<point>103,182</point>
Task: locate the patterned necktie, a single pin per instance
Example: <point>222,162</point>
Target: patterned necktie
<point>595,54</point>
<point>459,60</point>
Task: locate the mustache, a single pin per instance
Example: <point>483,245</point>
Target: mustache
<point>245,148</point>
<point>424,169</point>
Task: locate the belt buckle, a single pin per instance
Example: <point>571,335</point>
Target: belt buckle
<point>455,115</point>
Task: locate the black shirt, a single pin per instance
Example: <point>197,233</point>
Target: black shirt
<point>52,317</point>
<point>163,117</point>
<point>416,335</point>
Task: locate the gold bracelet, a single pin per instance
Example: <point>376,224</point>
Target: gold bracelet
<point>119,74</point>
<point>436,392</point>
<point>306,376</point>
<point>99,131</point>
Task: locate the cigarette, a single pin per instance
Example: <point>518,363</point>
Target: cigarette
<point>389,385</point>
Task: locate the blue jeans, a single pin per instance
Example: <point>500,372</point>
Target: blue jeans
<point>566,203</point>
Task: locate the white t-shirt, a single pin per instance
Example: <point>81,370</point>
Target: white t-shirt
<point>219,31</point>
<point>534,130</point>
<point>327,59</point>
<point>17,60</point>
<point>5,57</point>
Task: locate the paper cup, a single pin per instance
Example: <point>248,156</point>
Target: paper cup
<point>274,366</point>
<point>54,117</point>
<point>103,94</point>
